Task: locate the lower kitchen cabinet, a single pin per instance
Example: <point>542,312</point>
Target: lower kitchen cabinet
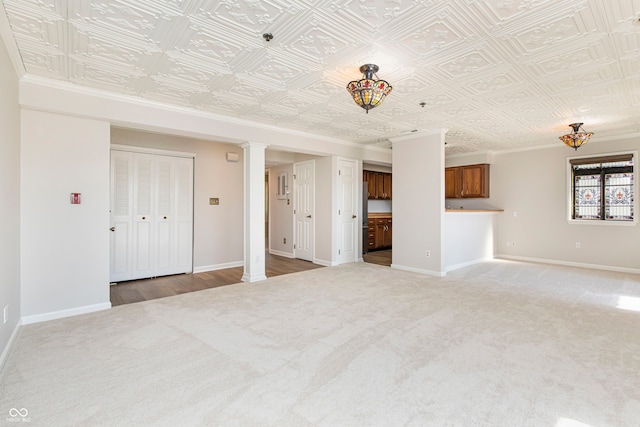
<point>380,231</point>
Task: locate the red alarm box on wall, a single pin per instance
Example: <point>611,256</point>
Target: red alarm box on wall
<point>76,198</point>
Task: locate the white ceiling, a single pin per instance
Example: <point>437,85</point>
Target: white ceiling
<point>499,74</point>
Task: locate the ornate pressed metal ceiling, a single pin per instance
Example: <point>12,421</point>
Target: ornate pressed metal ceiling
<point>498,74</point>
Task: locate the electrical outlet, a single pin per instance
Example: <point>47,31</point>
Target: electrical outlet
<point>5,314</point>
<point>428,254</point>
<point>515,214</point>
<point>577,245</point>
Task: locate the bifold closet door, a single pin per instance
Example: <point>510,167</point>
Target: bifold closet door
<point>152,215</point>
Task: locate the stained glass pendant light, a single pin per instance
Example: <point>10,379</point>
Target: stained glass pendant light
<point>367,92</point>
<point>577,138</point>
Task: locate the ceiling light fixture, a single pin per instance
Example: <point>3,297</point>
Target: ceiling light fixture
<point>367,92</point>
<point>577,138</point>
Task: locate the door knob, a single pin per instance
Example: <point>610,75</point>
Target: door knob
<point>308,216</point>
<point>112,229</point>
<point>144,217</point>
<point>353,216</point>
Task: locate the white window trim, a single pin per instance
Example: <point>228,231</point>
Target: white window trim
<point>610,223</point>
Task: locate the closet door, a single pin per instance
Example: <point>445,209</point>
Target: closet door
<point>183,215</point>
<point>143,216</point>
<point>163,217</point>
<point>121,231</point>
<point>174,217</point>
<point>151,215</point>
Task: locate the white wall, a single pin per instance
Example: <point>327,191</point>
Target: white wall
<point>325,240</point>
<point>10,196</point>
<point>534,184</point>
<point>218,230</point>
<point>65,248</point>
<point>470,237</point>
<point>280,214</point>
<point>418,203</point>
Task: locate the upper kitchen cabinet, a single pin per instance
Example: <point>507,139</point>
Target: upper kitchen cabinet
<point>467,182</point>
<point>372,184</point>
<point>379,185</point>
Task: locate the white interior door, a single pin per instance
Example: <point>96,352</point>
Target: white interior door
<point>163,221</point>
<point>347,211</point>
<point>151,215</point>
<point>143,216</point>
<point>121,235</point>
<point>183,215</point>
<point>303,201</point>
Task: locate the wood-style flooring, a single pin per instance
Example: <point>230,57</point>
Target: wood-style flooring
<point>381,257</point>
<point>148,289</point>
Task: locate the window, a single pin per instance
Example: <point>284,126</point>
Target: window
<point>602,188</point>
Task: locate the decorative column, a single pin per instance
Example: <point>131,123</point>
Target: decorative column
<point>254,212</point>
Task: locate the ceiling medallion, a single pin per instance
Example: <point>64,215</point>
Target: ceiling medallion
<point>577,138</point>
<point>367,92</point>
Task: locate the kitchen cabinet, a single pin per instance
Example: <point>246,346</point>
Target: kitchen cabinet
<point>379,185</point>
<point>466,182</point>
<point>372,184</point>
<point>451,182</point>
<point>384,190</point>
<point>380,231</point>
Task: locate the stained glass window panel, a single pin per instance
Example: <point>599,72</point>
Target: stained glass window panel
<point>587,197</point>
<point>619,196</point>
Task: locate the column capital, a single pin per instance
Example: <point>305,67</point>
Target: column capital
<point>250,144</point>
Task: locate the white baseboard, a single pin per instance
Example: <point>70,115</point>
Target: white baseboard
<point>7,349</point>
<point>214,267</point>
<point>466,264</point>
<point>280,253</point>
<point>419,270</point>
<point>324,263</point>
<point>570,264</point>
<point>255,278</point>
<point>37,318</point>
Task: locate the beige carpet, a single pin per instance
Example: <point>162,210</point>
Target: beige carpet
<point>498,344</point>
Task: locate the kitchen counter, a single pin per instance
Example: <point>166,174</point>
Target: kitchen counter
<point>473,210</point>
<point>379,214</point>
